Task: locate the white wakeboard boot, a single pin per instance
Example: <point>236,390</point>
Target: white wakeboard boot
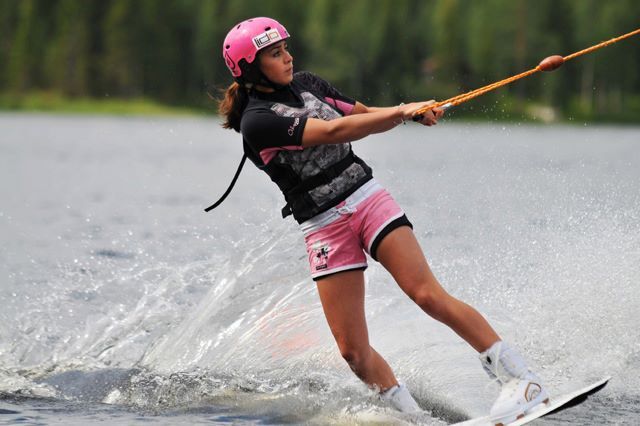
<point>521,390</point>
<point>399,398</point>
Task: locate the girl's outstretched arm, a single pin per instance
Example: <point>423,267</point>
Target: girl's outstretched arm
<point>362,122</point>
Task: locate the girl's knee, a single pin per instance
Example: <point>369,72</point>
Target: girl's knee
<point>432,301</point>
<point>356,357</point>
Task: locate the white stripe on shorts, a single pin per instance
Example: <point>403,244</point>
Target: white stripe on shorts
<point>351,202</point>
<point>339,269</point>
<point>384,225</point>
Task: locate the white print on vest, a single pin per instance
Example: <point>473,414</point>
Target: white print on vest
<point>293,127</point>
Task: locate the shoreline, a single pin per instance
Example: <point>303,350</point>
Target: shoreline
<point>55,104</point>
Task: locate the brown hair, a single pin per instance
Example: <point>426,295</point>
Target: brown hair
<point>232,106</point>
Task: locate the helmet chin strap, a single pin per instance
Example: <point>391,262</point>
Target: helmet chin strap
<point>252,75</point>
<point>264,82</point>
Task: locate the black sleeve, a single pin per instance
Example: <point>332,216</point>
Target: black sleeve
<point>262,129</point>
<point>322,87</point>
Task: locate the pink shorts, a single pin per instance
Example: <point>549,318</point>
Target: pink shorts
<point>338,238</point>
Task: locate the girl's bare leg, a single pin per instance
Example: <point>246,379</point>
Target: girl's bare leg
<point>342,297</point>
<point>400,253</point>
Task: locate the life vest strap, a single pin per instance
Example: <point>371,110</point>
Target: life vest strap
<point>233,182</point>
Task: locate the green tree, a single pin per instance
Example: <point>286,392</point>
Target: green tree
<point>121,62</point>
<point>207,42</point>
<point>378,51</point>
<point>8,22</point>
<point>68,53</point>
<point>25,60</point>
<point>164,49</point>
<point>608,74</point>
<point>449,62</point>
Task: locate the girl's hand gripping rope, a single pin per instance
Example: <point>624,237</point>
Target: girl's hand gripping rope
<point>427,119</point>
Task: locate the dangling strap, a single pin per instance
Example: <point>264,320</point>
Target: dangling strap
<point>233,182</point>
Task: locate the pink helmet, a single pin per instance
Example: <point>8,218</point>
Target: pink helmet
<point>246,39</point>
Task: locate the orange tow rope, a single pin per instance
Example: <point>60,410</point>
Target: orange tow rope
<point>548,64</point>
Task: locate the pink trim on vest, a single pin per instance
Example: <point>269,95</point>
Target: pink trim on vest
<point>267,154</point>
<point>345,107</point>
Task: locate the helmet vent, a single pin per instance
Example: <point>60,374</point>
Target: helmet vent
<point>238,26</point>
<point>227,46</point>
<point>267,28</point>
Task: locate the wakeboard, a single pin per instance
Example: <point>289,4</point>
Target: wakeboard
<point>558,403</point>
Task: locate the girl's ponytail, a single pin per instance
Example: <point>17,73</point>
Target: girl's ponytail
<point>232,106</point>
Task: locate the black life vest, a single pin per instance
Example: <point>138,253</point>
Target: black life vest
<point>295,190</point>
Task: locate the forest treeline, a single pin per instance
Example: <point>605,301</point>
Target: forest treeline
<point>378,51</point>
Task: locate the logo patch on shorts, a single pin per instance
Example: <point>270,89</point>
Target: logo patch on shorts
<point>321,255</point>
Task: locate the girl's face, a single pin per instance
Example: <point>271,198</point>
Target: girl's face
<point>277,63</point>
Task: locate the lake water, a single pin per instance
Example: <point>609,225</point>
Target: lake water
<point>122,302</point>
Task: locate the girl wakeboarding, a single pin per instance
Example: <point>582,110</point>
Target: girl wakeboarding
<point>298,129</point>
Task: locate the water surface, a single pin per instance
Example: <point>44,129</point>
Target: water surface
<point>123,302</point>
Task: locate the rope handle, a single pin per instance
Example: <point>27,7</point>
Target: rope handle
<point>548,64</point>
